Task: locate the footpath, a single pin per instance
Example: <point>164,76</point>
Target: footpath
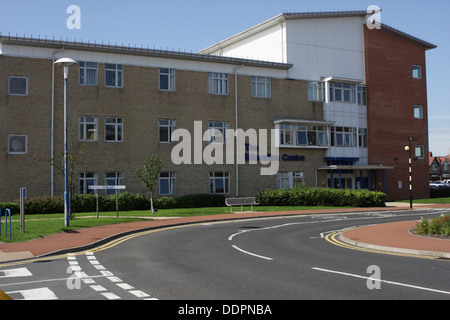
<point>394,237</point>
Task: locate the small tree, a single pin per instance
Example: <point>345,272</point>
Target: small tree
<point>149,176</point>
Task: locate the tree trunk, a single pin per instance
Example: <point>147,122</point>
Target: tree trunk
<point>151,203</point>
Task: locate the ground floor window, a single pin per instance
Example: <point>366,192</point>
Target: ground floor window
<point>287,180</point>
<point>219,182</point>
<point>86,179</point>
<point>113,179</point>
<point>167,183</point>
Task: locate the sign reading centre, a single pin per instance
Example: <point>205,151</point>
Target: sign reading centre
<point>284,157</point>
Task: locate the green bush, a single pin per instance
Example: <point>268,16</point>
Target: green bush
<point>306,196</point>
<point>440,193</point>
<point>191,201</point>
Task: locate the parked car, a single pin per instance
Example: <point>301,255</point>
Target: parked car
<point>439,184</point>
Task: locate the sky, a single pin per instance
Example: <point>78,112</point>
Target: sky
<point>196,24</point>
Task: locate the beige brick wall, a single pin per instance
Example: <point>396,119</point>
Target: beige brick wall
<point>141,105</point>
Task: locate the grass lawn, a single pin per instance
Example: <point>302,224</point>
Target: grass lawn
<point>37,226</point>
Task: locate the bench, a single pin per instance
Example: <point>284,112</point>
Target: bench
<point>248,201</point>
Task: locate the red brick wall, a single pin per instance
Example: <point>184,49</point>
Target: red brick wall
<point>392,94</point>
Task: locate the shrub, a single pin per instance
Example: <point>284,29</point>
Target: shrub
<point>439,226</point>
<point>306,196</point>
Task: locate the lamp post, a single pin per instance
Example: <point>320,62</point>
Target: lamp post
<point>66,62</point>
<point>408,149</point>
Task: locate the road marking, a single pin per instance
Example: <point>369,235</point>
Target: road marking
<point>16,273</point>
<point>383,281</point>
<point>34,294</point>
<point>251,254</point>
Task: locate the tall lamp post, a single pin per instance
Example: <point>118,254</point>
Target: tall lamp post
<point>66,62</point>
<point>408,149</point>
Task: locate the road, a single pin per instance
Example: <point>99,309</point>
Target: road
<point>287,258</point>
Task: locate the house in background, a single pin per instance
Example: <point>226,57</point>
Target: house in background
<point>439,168</point>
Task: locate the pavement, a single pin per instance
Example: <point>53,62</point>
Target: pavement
<point>393,237</point>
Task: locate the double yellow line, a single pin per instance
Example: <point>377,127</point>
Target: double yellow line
<point>333,239</point>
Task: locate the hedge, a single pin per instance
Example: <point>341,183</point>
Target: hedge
<point>440,192</point>
<point>306,196</point>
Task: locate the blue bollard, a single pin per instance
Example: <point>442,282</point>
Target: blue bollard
<point>8,214</point>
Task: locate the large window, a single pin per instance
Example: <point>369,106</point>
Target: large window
<point>217,83</point>
<point>261,87</point>
<point>114,129</point>
<point>87,129</point>
<point>17,144</point>
<point>348,93</point>
<point>219,182</point>
<point>166,79</point>
<point>304,135</point>
<point>167,183</point>
<point>85,180</point>
<point>166,128</point>
<point>88,73</point>
<point>114,75</point>
<point>18,86</point>
<point>345,136</point>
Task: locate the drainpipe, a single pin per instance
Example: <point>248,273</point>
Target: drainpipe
<point>53,124</point>
<point>237,126</point>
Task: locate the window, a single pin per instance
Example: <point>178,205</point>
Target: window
<point>87,129</point>
<point>287,180</point>
<point>18,86</point>
<point>87,179</point>
<point>261,87</point>
<point>363,138</point>
<point>343,137</point>
<point>114,129</point>
<point>88,73</point>
<point>315,91</point>
<point>113,179</point>
<point>217,83</point>
<point>17,144</point>
<point>166,79</point>
<point>222,127</point>
<point>417,72</point>
<point>167,183</point>
<point>418,112</point>
<point>348,93</point>
<point>419,152</point>
<point>286,134</point>
<point>219,182</point>
<point>114,75</point>
<point>166,128</point>
<point>312,135</point>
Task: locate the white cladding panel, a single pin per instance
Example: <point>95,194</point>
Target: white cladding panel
<point>326,47</point>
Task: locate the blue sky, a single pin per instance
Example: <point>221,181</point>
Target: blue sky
<point>196,24</point>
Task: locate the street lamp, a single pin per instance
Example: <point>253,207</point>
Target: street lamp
<point>66,62</point>
<point>408,149</point>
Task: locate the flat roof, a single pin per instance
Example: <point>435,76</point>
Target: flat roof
<point>139,51</point>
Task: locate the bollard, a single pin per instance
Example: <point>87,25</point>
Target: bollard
<point>8,214</point>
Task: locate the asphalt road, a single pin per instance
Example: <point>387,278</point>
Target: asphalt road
<point>286,258</point>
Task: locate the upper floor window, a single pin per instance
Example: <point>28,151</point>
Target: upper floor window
<point>114,75</point>
<point>217,83</point>
<point>344,136</point>
<point>418,112</point>
<point>166,128</point>
<point>17,144</point>
<point>348,93</point>
<point>417,72</point>
<point>88,73</point>
<point>18,86</point>
<point>166,79</point>
<point>261,87</point>
<point>312,136</point>
<point>419,152</point>
<point>217,131</point>
<point>114,129</point>
<point>87,129</point>
<point>316,91</point>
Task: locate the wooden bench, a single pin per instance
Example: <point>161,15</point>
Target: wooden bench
<point>248,201</point>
